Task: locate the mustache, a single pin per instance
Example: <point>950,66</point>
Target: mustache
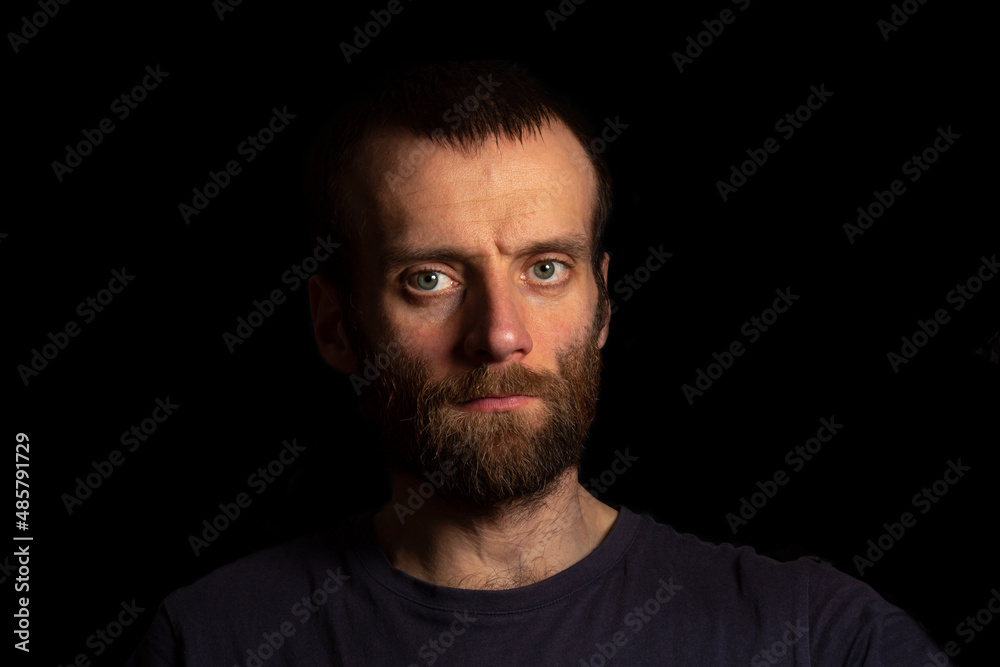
<point>484,381</point>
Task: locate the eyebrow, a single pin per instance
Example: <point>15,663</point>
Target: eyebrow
<point>577,247</point>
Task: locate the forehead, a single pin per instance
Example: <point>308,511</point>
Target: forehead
<point>502,193</point>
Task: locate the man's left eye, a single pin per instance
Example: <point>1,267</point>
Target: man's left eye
<point>547,269</point>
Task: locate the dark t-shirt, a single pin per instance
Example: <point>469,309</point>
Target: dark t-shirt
<point>646,595</point>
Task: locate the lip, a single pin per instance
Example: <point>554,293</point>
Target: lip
<point>497,403</point>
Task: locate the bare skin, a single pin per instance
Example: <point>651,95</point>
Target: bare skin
<point>450,263</point>
<point>448,547</point>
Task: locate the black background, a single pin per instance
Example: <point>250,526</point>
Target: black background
<point>826,357</point>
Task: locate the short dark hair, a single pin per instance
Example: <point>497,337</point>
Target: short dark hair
<point>417,97</point>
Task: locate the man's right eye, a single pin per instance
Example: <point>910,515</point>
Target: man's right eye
<point>430,281</point>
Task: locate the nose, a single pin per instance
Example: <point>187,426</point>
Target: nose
<point>496,328</point>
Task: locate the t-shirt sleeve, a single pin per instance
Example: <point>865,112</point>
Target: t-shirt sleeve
<point>856,626</point>
<point>158,647</point>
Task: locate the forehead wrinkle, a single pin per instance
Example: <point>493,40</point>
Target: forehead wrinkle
<point>498,197</point>
<point>484,183</point>
<point>490,186</point>
<point>491,169</point>
<point>535,197</point>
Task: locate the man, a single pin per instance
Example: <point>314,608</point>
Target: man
<point>472,279</point>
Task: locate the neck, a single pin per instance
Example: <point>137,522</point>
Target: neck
<point>459,547</point>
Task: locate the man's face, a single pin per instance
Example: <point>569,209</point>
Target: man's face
<point>478,266</point>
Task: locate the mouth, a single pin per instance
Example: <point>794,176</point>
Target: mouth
<point>497,403</point>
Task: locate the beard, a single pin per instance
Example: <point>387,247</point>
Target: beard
<point>489,463</point>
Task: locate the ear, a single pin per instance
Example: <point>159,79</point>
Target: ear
<point>327,305</point>
<point>605,262</point>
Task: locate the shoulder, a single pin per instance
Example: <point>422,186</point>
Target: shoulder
<point>271,578</point>
<point>840,614</point>
<point>729,564</point>
<point>229,608</point>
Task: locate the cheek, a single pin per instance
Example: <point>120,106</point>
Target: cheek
<point>428,342</point>
<point>554,330</point>
<point>422,337</point>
